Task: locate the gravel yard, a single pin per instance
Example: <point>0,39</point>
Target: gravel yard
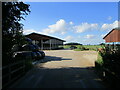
<point>62,69</point>
<point>69,58</point>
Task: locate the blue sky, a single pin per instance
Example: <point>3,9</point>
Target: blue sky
<point>83,22</point>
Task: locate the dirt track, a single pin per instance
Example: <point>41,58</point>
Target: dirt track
<point>63,69</point>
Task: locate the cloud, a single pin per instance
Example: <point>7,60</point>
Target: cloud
<point>89,36</point>
<point>109,18</point>
<point>102,35</point>
<point>109,26</point>
<point>85,27</point>
<point>59,27</point>
<point>62,33</point>
<point>69,38</point>
<point>87,39</point>
<point>28,31</point>
<point>71,23</point>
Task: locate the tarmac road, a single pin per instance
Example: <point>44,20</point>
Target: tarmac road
<point>63,69</point>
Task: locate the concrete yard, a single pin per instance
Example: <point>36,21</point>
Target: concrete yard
<point>63,69</point>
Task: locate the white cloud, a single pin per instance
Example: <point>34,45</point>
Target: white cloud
<point>102,35</point>
<point>62,33</point>
<point>71,23</point>
<point>69,38</point>
<point>73,39</point>
<point>28,31</point>
<point>85,27</point>
<point>89,36</point>
<point>62,27</point>
<point>109,26</point>
<point>109,18</point>
<point>59,27</point>
<point>88,39</point>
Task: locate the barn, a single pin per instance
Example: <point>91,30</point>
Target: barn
<point>113,37</point>
<point>45,42</point>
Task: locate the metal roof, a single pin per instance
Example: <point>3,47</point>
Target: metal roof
<point>45,37</point>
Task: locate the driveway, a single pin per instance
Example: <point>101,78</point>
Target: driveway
<point>62,69</point>
<point>69,58</point>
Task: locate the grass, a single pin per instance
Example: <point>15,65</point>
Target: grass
<point>78,50</point>
<point>93,47</point>
<point>84,47</point>
<point>66,46</point>
<point>99,59</point>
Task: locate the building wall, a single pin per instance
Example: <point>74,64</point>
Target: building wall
<point>119,36</point>
<point>114,36</point>
<point>50,44</point>
<point>45,42</point>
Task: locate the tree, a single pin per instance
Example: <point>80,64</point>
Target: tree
<point>102,44</point>
<point>12,14</point>
<point>72,43</point>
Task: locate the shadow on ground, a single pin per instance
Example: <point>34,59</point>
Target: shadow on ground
<point>60,78</point>
<point>53,58</point>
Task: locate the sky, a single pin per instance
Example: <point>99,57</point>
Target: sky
<point>81,22</point>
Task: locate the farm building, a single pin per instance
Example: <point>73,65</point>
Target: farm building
<point>113,37</point>
<point>45,42</point>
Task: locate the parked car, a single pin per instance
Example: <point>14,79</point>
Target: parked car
<point>73,47</point>
<point>27,51</point>
<point>42,53</point>
<point>39,55</point>
<point>28,47</point>
<point>21,55</point>
<point>37,48</point>
<point>34,55</point>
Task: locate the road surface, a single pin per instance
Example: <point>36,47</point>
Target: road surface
<point>63,69</point>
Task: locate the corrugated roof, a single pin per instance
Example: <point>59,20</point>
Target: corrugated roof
<point>46,36</point>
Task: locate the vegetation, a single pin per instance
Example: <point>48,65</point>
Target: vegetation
<point>72,43</point>
<point>12,14</point>
<point>78,50</point>
<point>109,63</point>
<point>93,47</point>
<point>99,65</point>
<point>99,59</point>
<point>12,34</point>
<point>85,47</point>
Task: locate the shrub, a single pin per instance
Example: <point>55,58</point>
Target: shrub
<point>99,59</point>
<point>109,62</point>
<point>80,47</point>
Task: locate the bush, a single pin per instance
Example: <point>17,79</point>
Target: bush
<point>109,62</point>
<point>80,47</point>
<point>99,59</point>
<point>67,46</point>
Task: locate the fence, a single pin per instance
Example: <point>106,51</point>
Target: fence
<point>13,71</point>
